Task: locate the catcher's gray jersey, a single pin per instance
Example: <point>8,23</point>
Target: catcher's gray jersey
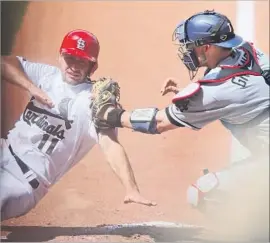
<point>241,103</point>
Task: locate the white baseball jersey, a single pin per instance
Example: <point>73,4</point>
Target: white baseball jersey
<point>52,140</point>
<point>242,102</point>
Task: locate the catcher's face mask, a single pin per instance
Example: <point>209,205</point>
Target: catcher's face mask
<point>205,28</point>
<point>186,50</point>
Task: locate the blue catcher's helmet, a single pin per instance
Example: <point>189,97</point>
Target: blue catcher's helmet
<point>208,27</point>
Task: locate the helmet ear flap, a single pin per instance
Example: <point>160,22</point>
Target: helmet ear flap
<point>93,69</point>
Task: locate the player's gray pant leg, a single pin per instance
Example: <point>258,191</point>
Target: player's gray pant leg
<point>17,197</point>
<point>16,194</point>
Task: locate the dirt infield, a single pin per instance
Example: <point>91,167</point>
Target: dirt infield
<point>136,49</point>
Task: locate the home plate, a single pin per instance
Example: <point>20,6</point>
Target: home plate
<point>157,231</point>
<point>154,231</point>
<point>158,224</point>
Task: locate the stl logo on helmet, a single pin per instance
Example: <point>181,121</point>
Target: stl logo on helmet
<point>81,44</point>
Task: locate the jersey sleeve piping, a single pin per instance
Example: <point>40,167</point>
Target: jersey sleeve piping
<point>176,121</point>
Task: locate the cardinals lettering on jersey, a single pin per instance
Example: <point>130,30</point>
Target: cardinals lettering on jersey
<point>34,115</point>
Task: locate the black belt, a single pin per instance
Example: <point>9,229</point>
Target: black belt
<point>34,182</point>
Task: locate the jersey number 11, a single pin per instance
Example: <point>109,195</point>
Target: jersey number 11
<point>52,143</point>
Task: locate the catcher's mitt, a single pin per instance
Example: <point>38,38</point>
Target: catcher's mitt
<point>105,94</point>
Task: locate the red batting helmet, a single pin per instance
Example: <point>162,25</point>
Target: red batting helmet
<point>83,44</point>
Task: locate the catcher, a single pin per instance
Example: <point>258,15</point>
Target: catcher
<point>234,90</point>
<point>56,131</point>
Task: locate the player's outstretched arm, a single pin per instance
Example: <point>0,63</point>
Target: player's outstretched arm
<point>12,71</point>
<point>107,112</point>
<point>149,120</point>
<point>119,162</point>
<point>145,120</point>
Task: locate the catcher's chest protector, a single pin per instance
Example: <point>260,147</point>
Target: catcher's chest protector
<point>248,65</point>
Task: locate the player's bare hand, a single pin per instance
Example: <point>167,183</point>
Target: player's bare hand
<point>170,85</point>
<point>136,197</point>
<point>41,96</point>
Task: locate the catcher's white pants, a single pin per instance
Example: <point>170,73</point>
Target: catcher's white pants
<point>235,201</point>
<point>17,197</point>
<point>248,165</point>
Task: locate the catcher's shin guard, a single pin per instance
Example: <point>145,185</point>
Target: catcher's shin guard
<point>206,193</point>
